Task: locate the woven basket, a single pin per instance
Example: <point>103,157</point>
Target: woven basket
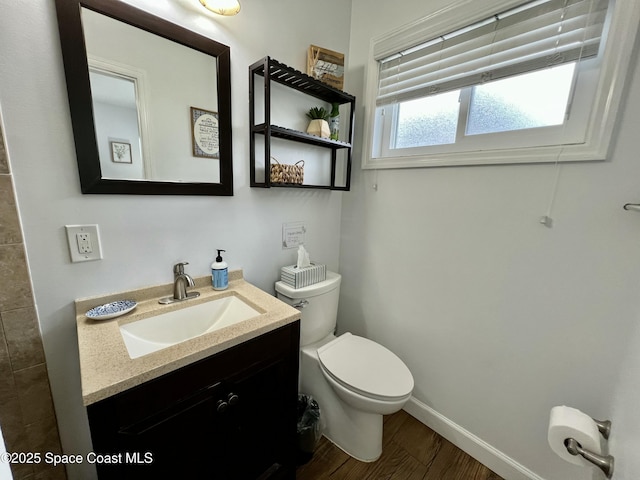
<point>291,174</point>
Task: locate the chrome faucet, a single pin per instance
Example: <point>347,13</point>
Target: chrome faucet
<point>181,281</point>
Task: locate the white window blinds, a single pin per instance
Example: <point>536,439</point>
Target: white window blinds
<point>533,36</point>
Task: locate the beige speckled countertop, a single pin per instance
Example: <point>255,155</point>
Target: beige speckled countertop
<point>105,365</point>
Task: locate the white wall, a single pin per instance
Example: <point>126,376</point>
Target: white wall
<point>498,317</point>
<point>117,123</point>
<point>143,236</point>
<point>625,443</point>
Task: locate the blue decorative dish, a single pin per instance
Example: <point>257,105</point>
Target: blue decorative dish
<point>111,310</point>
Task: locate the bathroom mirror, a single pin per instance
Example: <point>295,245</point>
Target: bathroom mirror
<point>150,102</point>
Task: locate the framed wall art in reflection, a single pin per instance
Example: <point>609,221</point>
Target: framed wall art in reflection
<point>205,134</point>
<point>121,152</point>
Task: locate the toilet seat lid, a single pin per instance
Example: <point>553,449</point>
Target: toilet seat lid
<point>366,367</point>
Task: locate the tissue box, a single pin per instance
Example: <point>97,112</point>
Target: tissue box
<point>303,277</point>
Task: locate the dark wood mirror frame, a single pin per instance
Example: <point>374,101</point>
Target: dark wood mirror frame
<point>79,90</point>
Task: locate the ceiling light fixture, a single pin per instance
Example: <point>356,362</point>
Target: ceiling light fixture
<point>222,7</point>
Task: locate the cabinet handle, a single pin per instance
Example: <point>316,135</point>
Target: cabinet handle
<point>233,399</point>
<point>221,406</point>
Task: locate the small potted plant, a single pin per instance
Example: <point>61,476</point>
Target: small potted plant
<point>318,125</point>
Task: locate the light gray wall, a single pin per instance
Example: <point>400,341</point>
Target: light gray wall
<point>143,236</point>
<point>115,122</point>
<point>498,317</point>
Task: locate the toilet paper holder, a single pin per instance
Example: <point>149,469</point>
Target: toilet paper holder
<point>605,463</point>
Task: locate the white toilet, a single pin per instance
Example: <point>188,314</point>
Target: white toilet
<point>355,380</point>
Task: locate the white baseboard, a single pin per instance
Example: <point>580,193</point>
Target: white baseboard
<point>466,441</point>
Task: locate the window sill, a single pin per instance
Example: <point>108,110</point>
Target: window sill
<point>567,153</point>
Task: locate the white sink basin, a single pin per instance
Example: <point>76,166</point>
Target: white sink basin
<point>161,331</point>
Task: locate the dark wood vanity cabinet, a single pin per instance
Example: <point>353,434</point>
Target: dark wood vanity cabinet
<point>231,416</point>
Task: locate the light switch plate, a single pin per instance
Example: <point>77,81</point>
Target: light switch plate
<point>84,242</point>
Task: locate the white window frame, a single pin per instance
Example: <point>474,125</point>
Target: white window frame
<point>599,126</point>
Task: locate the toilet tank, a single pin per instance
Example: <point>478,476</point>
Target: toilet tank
<point>318,304</point>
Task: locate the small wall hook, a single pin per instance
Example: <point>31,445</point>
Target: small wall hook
<point>632,206</point>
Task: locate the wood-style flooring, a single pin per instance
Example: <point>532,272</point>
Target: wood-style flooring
<point>411,451</point>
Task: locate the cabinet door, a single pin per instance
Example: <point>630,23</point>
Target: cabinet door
<point>239,429</point>
<point>263,417</point>
<point>187,440</point>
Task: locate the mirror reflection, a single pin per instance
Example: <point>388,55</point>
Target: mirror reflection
<point>115,113</point>
<point>156,104</point>
<point>150,102</point>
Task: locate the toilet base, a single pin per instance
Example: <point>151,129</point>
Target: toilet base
<point>357,433</point>
<point>363,442</point>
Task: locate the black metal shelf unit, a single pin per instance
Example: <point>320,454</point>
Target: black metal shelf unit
<point>273,71</point>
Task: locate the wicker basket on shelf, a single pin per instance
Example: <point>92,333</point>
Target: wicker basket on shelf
<point>289,174</point>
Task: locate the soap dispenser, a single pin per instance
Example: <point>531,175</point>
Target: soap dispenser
<point>219,273</point>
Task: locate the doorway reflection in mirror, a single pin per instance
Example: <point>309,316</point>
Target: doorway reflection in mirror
<point>115,113</point>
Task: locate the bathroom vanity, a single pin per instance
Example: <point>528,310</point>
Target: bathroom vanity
<point>221,405</point>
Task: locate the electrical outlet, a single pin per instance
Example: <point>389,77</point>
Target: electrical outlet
<point>84,242</point>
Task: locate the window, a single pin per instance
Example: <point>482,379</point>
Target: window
<point>530,83</point>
